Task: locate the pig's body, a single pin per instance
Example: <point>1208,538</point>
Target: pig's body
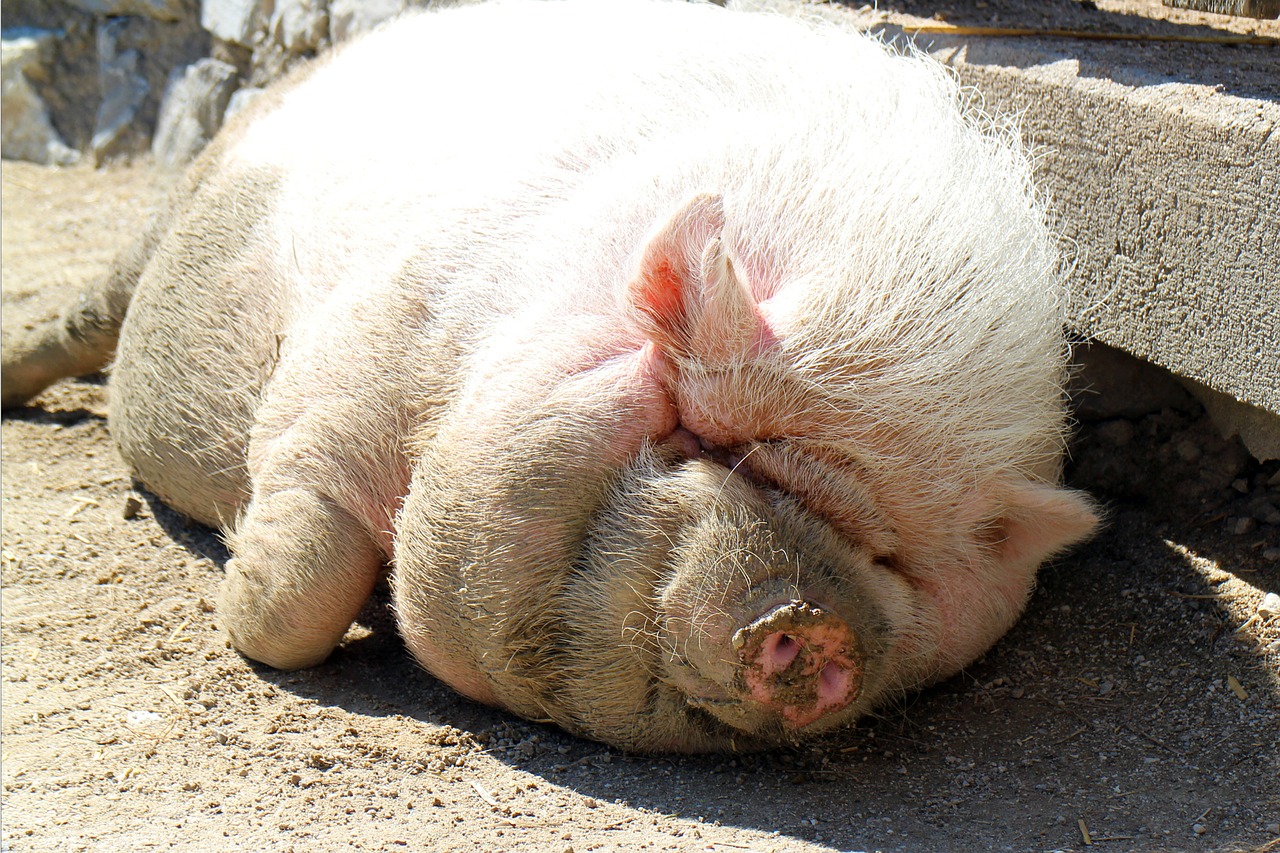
<point>697,372</point>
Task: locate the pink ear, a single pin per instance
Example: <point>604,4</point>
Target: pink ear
<point>686,291</point>
<point>1039,521</point>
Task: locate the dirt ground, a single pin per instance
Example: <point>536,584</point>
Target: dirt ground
<point>1135,707</point>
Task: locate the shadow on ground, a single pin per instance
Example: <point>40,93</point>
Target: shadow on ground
<point>1128,698</point>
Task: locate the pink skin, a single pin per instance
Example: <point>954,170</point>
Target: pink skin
<point>800,661</point>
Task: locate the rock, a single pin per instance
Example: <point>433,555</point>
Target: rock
<point>1117,433</point>
<point>192,111</point>
<point>348,18</point>
<point>236,21</point>
<point>1188,450</point>
<point>1269,607</point>
<point>300,25</point>
<point>1242,526</point>
<point>1226,463</point>
<point>1258,428</point>
<point>240,101</point>
<point>28,132</point>
<point>1263,510</point>
<point>160,10</point>
<point>123,89</point>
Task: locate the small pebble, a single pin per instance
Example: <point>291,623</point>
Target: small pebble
<point>1188,451</point>
<point>1273,829</point>
<point>1116,433</point>
<point>1269,607</point>
<point>1199,829</point>
<point>1271,555</point>
<point>1241,485</point>
<point>1241,526</point>
<point>131,507</point>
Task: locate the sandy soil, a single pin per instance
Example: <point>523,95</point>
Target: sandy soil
<point>1135,707</point>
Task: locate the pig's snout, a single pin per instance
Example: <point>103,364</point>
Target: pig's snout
<point>799,661</point>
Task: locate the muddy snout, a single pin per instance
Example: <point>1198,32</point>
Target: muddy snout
<point>800,662</point>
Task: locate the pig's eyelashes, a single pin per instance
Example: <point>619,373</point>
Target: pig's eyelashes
<point>722,456</point>
<point>698,447</point>
<point>829,482</point>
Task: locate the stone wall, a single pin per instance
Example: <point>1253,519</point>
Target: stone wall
<point>109,79</point>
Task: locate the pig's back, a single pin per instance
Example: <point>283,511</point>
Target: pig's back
<point>526,149</point>
<point>470,129</point>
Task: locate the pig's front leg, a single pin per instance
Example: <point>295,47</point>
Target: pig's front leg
<point>327,468</point>
<point>303,568</point>
<point>503,490</point>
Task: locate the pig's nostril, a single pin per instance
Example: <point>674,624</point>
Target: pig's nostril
<point>777,652</point>
<point>833,684</point>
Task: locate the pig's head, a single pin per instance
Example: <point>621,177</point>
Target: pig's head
<point>769,622</point>
<point>712,610</point>
<point>792,559</point>
<point>790,516</point>
<point>719,614</point>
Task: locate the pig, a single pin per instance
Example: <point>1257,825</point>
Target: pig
<point>697,373</point>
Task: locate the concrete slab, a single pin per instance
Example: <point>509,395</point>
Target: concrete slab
<point>1161,160</point>
<point>1171,201</point>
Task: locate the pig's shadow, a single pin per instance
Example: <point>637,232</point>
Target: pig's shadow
<point>1074,701</point>
<point>59,417</point>
<point>1115,680</point>
<point>64,409</point>
<point>195,537</point>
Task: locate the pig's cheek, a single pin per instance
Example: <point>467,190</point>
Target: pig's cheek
<point>955,614</point>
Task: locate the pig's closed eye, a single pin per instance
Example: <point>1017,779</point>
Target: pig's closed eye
<point>738,461</point>
<point>888,562</point>
<point>695,446</point>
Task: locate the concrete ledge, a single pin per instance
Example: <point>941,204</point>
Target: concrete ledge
<point>1170,195</point>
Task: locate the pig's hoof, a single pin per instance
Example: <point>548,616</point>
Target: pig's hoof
<point>800,661</point>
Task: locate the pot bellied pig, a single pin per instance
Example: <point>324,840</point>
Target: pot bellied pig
<point>697,373</point>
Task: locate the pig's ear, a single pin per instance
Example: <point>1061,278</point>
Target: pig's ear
<point>687,293</point>
<point>1038,521</point>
